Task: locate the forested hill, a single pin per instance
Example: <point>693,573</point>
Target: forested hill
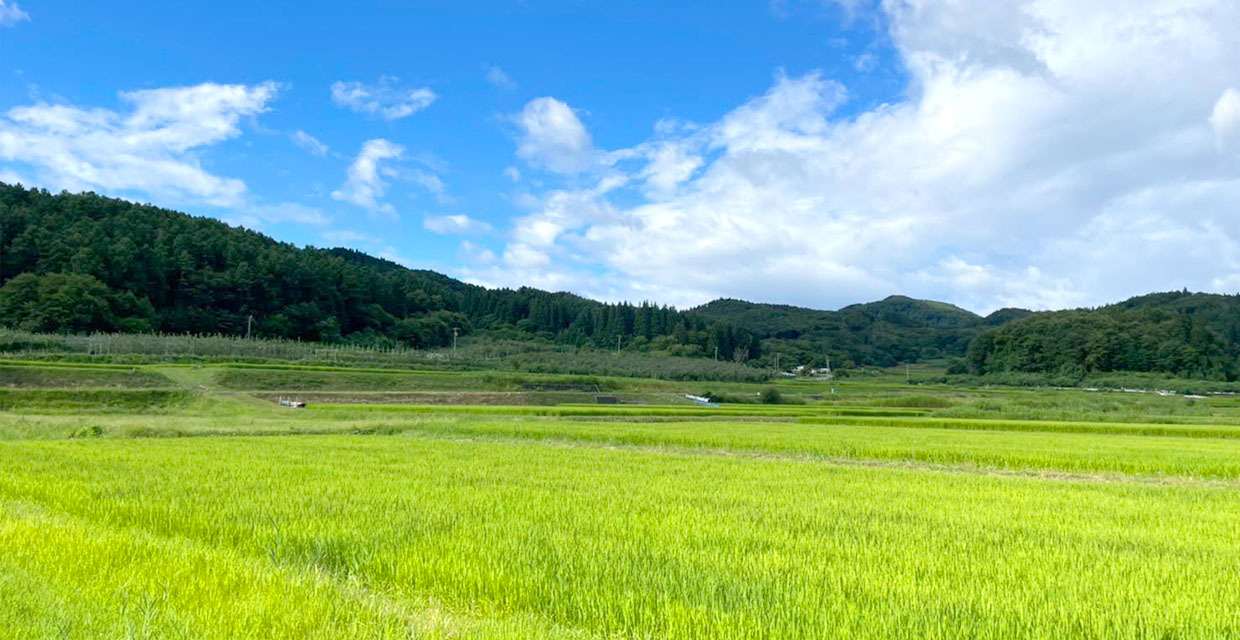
<point>83,262</point>
<point>1180,333</point>
<point>892,330</point>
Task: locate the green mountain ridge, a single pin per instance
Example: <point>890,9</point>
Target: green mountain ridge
<point>886,332</point>
<point>84,262</point>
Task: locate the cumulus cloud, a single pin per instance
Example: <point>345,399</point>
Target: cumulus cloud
<point>1049,153</point>
<point>552,137</point>
<point>150,148</point>
<point>369,175</point>
<point>11,13</point>
<point>385,99</point>
<point>455,224</point>
<point>309,143</point>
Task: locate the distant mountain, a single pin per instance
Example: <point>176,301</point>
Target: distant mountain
<point>910,312</point>
<point>895,329</point>
<point>1005,315</point>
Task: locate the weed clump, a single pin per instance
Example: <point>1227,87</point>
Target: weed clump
<point>92,431</point>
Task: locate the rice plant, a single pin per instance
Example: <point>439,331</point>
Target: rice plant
<point>339,536</point>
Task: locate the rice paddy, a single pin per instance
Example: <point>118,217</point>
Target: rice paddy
<point>222,515</point>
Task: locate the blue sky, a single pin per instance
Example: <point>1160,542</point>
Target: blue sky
<point>814,153</point>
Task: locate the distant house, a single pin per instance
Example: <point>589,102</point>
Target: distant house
<point>820,373</point>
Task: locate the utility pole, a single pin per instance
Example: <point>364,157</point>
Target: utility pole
<point>249,324</point>
<point>618,338</point>
<point>716,352</point>
<point>777,362</point>
<point>455,330</point>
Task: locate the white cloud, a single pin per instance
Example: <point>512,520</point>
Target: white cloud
<point>11,13</point>
<point>366,182</point>
<point>471,253</point>
<point>376,167</point>
<point>457,224</point>
<point>152,148</point>
<point>384,99</point>
<point>308,142</point>
<point>499,79</point>
<point>1049,153</point>
<point>523,256</point>
<point>553,137</point>
<point>1225,119</point>
<point>430,182</point>
<point>670,165</point>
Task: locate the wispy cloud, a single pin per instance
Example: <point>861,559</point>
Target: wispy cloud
<point>11,13</point>
<point>368,176</point>
<point>385,99</point>
<point>309,143</point>
<point>151,148</point>
<point>455,224</point>
<point>259,216</point>
<point>499,79</point>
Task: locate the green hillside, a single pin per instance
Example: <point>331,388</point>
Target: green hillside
<point>893,330</point>
<point>1184,334</point>
<point>75,263</point>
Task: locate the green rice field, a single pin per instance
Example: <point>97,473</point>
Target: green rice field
<point>188,505</point>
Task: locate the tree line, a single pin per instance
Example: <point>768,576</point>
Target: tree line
<point>78,263</point>
<point>83,262</point>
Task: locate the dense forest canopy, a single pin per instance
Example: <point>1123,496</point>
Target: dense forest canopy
<point>1180,333</point>
<point>82,262</point>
